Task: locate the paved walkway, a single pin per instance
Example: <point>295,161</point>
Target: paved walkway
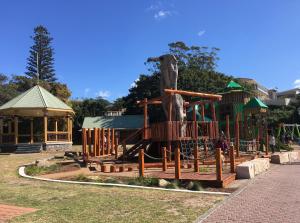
<point>8,212</point>
<point>271,197</point>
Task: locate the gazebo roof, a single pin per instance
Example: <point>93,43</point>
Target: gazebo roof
<point>36,98</point>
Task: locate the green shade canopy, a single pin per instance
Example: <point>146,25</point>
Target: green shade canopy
<point>234,85</point>
<point>255,103</point>
<point>35,102</point>
<point>116,122</point>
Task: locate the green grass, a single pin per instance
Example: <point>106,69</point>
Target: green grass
<point>81,203</point>
<point>33,170</point>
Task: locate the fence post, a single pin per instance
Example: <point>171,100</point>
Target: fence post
<point>232,159</point>
<point>95,142</point>
<point>177,164</point>
<point>164,155</point>
<point>103,141</point>
<point>196,159</point>
<point>267,142</point>
<point>108,141</point>
<point>116,147</point>
<point>141,162</point>
<point>218,164</point>
<point>89,139</point>
<point>112,140</point>
<point>84,141</point>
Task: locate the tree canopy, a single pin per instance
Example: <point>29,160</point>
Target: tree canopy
<point>40,60</point>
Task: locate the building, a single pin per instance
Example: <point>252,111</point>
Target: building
<point>35,119</point>
<point>260,91</point>
<point>284,98</point>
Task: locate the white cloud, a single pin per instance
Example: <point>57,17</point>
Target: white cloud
<point>86,91</point>
<point>297,83</point>
<point>162,14</point>
<point>201,33</point>
<point>103,94</point>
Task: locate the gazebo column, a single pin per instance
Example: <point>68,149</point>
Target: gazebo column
<point>31,130</point>
<point>56,129</point>
<point>45,128</point>
<point>16,127</point>
<point>68,128</point>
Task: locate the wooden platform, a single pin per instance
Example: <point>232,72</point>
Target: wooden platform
<point>206,178</point>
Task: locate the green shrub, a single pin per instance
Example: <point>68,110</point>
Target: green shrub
<point>82,178</point>
<point>144,181</point>
<point>197,186</point>
<point>33,170</point>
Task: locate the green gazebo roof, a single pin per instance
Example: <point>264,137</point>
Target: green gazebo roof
<point>255,103</point>
<point>36,98</point>
<point>232,86</point>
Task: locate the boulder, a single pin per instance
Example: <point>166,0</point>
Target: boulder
<point>250,169</point>
<point>163,183</point>
<point>43,163</point>
<point>285,157</point>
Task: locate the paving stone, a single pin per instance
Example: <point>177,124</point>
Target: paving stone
<point>271,197</point>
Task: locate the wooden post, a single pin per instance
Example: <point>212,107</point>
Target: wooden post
<point>99,142</point>
<point>68,128</point>
<point>205,148</point>
<point>232,159</point>
<point>116,147</point>
<point>71,129</point>
<point>112,140</point>
<point>31,130</point>
<point>213,111</point>
<point>95,142</point>
<point>16,127</point>
<point>228,129</point>
<point>165,162</point>
<point>145,118</point>
<point>257,140</point>
<point>56,129</point>
<point>245,125</point>
<point>89,140</point>
<point>218,164</point>
<point>237,134</point>
<point>103,141</point>
<point>141,163</point>
<point>108,141</point>
<point>196,159</point>
<point>267,142</point>
<point>177,164</point>
<point>45,128</point>
<point>84,141</point>
<point>1,130</point>
<point>169,129</point>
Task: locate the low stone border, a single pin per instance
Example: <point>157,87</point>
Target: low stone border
<point>23,174</point>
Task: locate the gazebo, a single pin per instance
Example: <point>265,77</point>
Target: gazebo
<point>36,118</point>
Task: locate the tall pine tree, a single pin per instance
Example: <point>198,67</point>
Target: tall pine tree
<point>41,47</point>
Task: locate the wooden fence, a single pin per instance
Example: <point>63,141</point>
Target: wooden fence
<point>99,142</point>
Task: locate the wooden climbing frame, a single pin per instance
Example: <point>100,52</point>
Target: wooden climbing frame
<point>99,142</point>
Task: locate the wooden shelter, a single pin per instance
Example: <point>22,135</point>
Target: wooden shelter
<point>37,118</point>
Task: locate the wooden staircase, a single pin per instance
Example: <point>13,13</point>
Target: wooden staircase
<point>28,148</point>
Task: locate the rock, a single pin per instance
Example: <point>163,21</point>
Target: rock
<point>250,169</point>
<point>43,163</point>
<point>285,157</point>
<point>163,183</point>
<point>190,185</point>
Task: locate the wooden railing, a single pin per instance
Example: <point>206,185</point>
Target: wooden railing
<point>176,130</point>
<point>57,136</point>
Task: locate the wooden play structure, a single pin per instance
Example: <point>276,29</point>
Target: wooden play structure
<point>290,131</point>
<point>99,142</point>
<point>176,148</point>
<point>179,154</point>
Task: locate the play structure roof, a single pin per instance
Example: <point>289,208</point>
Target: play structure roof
<point>255,103</point>
<point>36,98</point>
<point>116,122</point>
<point>232,86</point>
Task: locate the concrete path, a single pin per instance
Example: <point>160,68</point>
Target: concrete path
<point>271,197</point>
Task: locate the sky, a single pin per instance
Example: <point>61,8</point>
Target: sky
<point>101,46</point>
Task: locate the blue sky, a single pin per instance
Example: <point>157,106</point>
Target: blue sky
<point>101,46</point>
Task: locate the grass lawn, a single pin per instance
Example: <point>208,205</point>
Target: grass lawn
<point>81,203</point>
